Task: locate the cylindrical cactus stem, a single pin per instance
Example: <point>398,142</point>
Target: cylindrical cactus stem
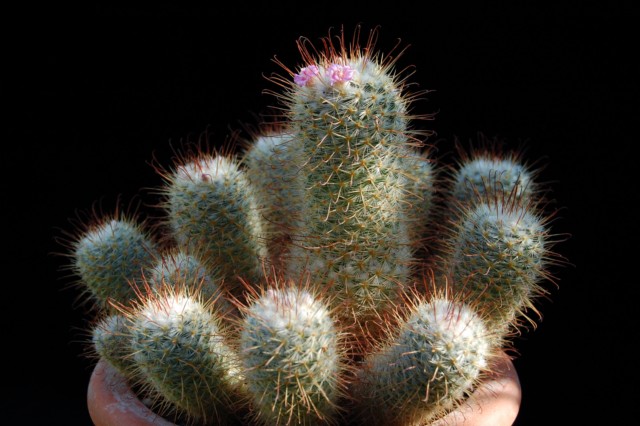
<point>498,254</point>
<point>481,175</point>
<point>431,363</point>
<point>178,268</point>
<point>110,258</point>
<point>213,211</point>
<point>273,167</point>
<point>420,173</point>
<point>292,357</point>
<point>182,359</point>
<point>349,114</point>
<point>111,338</point>
<point>483,172</point>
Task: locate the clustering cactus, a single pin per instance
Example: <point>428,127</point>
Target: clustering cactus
<point>339,204</point>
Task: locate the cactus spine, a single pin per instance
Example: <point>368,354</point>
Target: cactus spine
<point>292,357</point>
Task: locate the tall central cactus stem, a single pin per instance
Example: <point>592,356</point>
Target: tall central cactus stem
<point>350,119</point>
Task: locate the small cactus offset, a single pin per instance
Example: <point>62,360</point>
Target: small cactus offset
<point>111,255</point>
<point>498,254</point>
<point>438,355</point>
<point>285,284</point>
<point>213,212</point>
<point>292,357</point>
<point>112,341</point>
<point>180,355</point>
<point>484,172</point>
<point>421,175</point>
<point>177,267</point>
<point>273,167</point>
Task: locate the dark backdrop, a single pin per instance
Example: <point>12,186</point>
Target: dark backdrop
<point>92,96</point>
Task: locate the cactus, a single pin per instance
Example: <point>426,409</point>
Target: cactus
<point>177,267</point>
<point>213,211</point>
<point>273,167</point>
<point>438,355</point>
<point>499,253</point>
<point>349,115</point>
<point>419,172</point>
<point>181,357</point>
<point>337,203</point>
<point>111,341</point>
<point>482,173</point>
<point>110,258</point>
<point>292,357</point>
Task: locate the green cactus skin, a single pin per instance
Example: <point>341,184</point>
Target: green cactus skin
<point>436,358</point>
<point>181,356</point>
<point>112,341</point>
<point>177,268</point>
<point>110,259</point>
<point>350,116</point>
<point>213,212</point>
<point>273,167</point>
<point>291,354</point>
<point>498,255</point>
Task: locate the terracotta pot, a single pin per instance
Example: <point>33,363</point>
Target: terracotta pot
<point>111,401</point>
<point>496,403</point>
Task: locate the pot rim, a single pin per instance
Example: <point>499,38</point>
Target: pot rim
<point>496,402</point>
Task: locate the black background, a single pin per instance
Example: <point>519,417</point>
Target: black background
<point>91,96</point>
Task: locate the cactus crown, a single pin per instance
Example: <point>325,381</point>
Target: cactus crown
<point>337,202</point>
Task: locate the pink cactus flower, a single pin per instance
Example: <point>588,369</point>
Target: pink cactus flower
<point>339,73</point>
<point>305,76</point>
